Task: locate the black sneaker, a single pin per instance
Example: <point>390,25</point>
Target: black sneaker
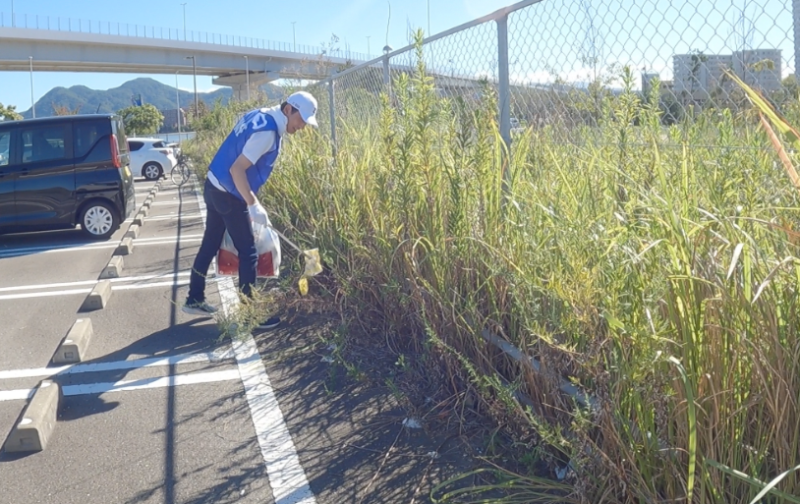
<point>201,308</point>
<point>270,323</point>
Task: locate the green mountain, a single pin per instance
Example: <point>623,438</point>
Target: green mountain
<point>92,101</point>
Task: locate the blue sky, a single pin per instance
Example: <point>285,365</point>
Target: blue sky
<point>353,21</point>
<point>549,40</point>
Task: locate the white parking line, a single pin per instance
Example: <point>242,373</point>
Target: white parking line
<point>70,292</point>
<point>173,217</point>
<point>99,367</point>
<point>166,202</point>
<point>167,238</point>
<point>49,249</point>
<point>143,278</point>
<point>286,476</point>
<point>128,385</point>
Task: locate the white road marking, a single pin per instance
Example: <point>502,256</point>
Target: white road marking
<point>99,367</point>
<point>170,239</point>
<point>70,292</point>
<point>172,202</point>
<point>128,385</point>
<point>92,282</point>
<point>47,249</point>
<point>15,395</point>
<point>172,217</point>
<point>286,476</point>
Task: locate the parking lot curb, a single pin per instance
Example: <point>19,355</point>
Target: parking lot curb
<point>98,298</point>
<point>75,342</point>
<point>114,268</point>
<point>37,422</point>
<point>125,247</point>
<point>132,232</point>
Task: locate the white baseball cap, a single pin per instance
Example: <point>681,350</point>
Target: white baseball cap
<point>306,105</point>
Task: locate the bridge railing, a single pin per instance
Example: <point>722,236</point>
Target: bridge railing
<point>81,25</point>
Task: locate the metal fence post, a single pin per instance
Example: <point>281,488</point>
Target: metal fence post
<point>504,96</point>
<point>386,77</point>
<point>796,26</point>
<point>332,108</point>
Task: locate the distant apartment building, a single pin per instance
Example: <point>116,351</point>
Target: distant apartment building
<point>748,65</point>
<point>171,118</point>
<point>700,76</point>
<point>647,81</point>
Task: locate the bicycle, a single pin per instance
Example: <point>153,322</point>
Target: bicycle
<point>180,172</point>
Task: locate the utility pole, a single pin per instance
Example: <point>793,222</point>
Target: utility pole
<point>12,13</point>
<point>184,20</point>
<point>33,103</point>
<point>368,54</point>
<point>429,18</point>
<point>194,72</point>
<point>294,38</point>
<point>247,72</point>
<point>178,103</point>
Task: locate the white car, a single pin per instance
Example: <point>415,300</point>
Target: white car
<point>176,148</point>
<point>150,157</point>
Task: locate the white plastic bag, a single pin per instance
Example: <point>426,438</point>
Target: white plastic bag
<point>268,248</point>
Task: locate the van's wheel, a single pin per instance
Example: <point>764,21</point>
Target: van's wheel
<point>99,220</point>
<point>152,171</point>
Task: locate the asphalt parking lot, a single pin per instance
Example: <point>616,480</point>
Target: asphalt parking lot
<point>160,409</point>
<point>156,411</point>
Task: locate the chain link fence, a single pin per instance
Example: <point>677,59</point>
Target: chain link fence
<point>552,63</point>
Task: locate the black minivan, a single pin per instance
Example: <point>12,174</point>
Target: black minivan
<point>64,171</point>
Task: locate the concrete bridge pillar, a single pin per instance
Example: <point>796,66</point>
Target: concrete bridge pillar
<point>239,83</point>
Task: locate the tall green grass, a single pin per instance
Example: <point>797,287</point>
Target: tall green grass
<point>654,267</point>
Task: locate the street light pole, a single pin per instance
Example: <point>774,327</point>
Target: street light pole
<point>294,38</point>
<point>247,72</point>
<point>368,53</point>
<point>194,72</point>
<point>429,18</point>
<point>12,13</point>
<point>184,20</point>
<point>33,103</point>
<point>178,103</point>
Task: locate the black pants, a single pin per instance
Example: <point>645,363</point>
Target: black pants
<point>224,211</point>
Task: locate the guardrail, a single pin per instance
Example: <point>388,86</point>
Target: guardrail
<point>79,25</point>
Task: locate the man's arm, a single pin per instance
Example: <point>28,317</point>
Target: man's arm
<point>239,175</point>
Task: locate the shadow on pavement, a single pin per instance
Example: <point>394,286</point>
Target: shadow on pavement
<point>187,338</point>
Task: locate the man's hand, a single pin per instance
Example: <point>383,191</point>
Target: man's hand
<point>258,214</point>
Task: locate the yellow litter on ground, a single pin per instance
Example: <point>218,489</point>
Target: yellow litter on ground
<point>313,263</point>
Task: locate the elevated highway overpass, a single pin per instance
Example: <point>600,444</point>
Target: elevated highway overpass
<point>59,45</point>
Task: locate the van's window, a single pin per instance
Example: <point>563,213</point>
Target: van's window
<point>5,143</point>
<point>117,128</point>
<point>158,145</point>
<point>43,143</point>
<point>90,140</point>
<point>134,146</point>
